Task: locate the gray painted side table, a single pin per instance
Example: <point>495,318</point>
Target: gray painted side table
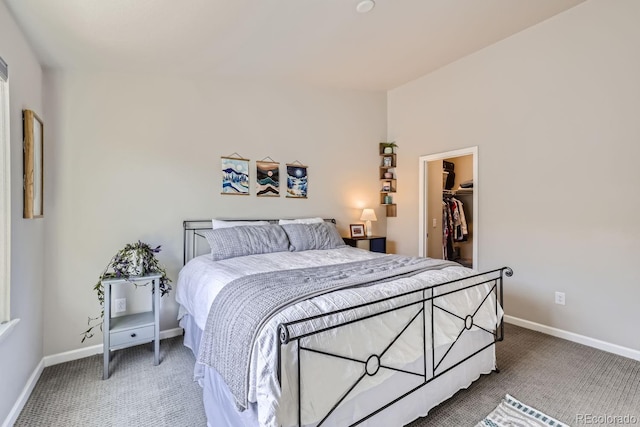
<point>131,329</point>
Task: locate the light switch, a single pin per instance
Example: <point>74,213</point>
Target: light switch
<point>435,223</point>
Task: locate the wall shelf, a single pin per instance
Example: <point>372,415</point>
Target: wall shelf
<point>388,182</point>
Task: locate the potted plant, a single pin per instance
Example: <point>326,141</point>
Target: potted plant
<point>388,147</point>
<point>135,259</point>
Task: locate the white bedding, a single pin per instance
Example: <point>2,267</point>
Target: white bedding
<point>202,279</point>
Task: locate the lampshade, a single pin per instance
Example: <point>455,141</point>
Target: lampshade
<point>368,215</point>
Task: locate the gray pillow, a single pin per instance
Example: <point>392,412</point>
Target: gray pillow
<point>247,240</point>
<point>304,237</point>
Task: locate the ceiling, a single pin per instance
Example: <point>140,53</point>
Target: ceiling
<point>323,42</point>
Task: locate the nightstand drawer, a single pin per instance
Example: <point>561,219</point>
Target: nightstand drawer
<point>131,336</point>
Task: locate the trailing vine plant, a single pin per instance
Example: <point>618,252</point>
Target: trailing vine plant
<point>135,259</point>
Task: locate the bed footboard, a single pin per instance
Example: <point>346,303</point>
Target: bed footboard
<point>413,335</point>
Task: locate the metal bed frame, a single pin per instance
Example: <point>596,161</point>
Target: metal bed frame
<point>426,303</point>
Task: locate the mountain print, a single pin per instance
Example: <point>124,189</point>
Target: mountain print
<point>235,176</point>
<point>268,179</point>
<point>297,181</point>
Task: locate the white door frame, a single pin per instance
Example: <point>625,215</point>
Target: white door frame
<point>422,197</point>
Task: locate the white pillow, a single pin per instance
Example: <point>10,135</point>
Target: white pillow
<point>301,221</point>
<point>217,224</point>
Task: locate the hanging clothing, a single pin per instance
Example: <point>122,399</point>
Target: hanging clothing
<point>447,232</point>
<point>463,220</point>
<point>454,226</point>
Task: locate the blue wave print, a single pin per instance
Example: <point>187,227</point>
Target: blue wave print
<point>234,182</point>
<point>297,187</point>
<point>268,181</point>
<point>230,187</point>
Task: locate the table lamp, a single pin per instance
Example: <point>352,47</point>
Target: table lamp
<point>368,215</point>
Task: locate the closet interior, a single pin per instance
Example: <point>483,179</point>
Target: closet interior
<point>450,209</point>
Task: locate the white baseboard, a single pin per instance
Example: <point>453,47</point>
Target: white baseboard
<point>55,359</point>
<point>80,353</point>
<point>580,339</point>
<point>24,396</point>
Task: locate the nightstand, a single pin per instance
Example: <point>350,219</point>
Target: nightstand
<point>376,243</point>
<point>132,329</point>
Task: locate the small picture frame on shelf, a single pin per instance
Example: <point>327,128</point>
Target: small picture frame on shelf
<point>356,230</point>
<point>386,186</point>
<point>387,161</point>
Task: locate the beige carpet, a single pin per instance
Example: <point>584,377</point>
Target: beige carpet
<point>560,378</point>
<point>137,393</point>
<point>563,379</point>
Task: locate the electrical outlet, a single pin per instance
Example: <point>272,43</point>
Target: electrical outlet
<point>121,305</point>
<point>560,298</point>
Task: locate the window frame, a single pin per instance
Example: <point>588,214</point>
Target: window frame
<point>5,202</point>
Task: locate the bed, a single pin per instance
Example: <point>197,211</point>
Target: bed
<point>290,327</point>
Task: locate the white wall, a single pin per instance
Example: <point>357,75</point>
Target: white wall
<point>554,112</point>
<point>21,351</point>
<point>135,155</point>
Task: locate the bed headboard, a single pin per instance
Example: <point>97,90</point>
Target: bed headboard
<point>194,243</point>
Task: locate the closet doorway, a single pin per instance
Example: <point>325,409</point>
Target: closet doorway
<point>448,202</point>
